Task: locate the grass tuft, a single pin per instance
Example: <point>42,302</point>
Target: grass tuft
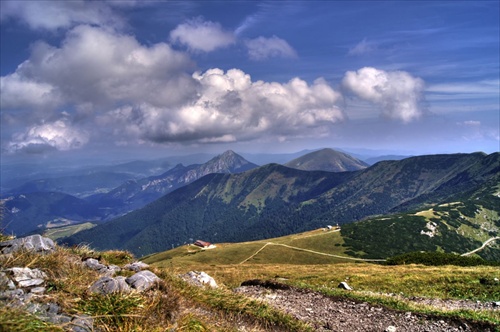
<point>13,319</point>
<point>113,311</point>
<point>191,323</point>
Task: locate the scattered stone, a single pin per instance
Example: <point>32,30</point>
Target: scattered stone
<point>82,324</point>
<point>340,314</point>
<point>142,280</point>
<point>38,290</point>
<point>39,309</point>
<point>5,282</point>
<point>496,304</point>
<point>94,264</point>
<point>35,243</point>
<point>57,319</point>
<point>26,277</point>
<point>112,270</point>
<point>108,285</point>
<point>105,270</point>
<point>136,266</point>
<point>344,285</point>
<point>199,279</point>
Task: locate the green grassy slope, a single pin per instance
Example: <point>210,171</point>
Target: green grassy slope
<point>60,232</point>
<point>319,246</point>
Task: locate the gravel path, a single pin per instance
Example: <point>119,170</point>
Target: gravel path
<point>336,314</point>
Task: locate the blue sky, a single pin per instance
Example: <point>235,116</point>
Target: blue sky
<point>138,78</point>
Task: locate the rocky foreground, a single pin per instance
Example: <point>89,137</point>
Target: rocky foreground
<point>29,289</point>
<point>339,314</point>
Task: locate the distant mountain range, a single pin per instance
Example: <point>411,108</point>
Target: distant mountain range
<point>136,193</point>
<point>30,212</point>
<point>70,178</point>
<point>21,217</point>
<point>80,185</point>
<point>275,200</point>
<point>327,160</point>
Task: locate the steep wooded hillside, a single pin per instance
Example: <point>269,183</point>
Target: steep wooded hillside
<point>458,226</point>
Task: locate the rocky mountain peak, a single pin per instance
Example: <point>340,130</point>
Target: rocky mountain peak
<point>327,160</point>
<point>228,162</point>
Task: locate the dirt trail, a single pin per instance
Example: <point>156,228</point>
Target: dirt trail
<point>481,247</point>
<point>338,314</point>
<point>310,251</point>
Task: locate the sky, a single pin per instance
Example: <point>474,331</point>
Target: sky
<point>137,79</point>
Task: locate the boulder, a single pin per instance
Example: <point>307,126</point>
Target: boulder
<point>199,279</point>
<point>94,264</point>
<point>136,266</point>
<point>108,285</point>
<point>35,243</point>
<point>142,280</point>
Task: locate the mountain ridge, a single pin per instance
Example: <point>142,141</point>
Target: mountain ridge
<point>275,200</point>
<point>137,193</point>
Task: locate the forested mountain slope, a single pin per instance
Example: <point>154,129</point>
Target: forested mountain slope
<point>274,200</point>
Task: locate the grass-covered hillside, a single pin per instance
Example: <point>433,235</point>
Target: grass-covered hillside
<point>314,261</point>
<point>317,260</point>
<point>170,305</point>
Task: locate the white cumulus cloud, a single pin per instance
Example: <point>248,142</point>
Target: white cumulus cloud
<point>58,135</point>
<point>230,106</point>
<point>100,66</point>
<point>262,48</point>
<point>20,92</point>
<point>397,93</point>
<point>200,35</point>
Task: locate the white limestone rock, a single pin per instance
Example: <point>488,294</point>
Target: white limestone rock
<point>142,280</point>
<point>200,279</point>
